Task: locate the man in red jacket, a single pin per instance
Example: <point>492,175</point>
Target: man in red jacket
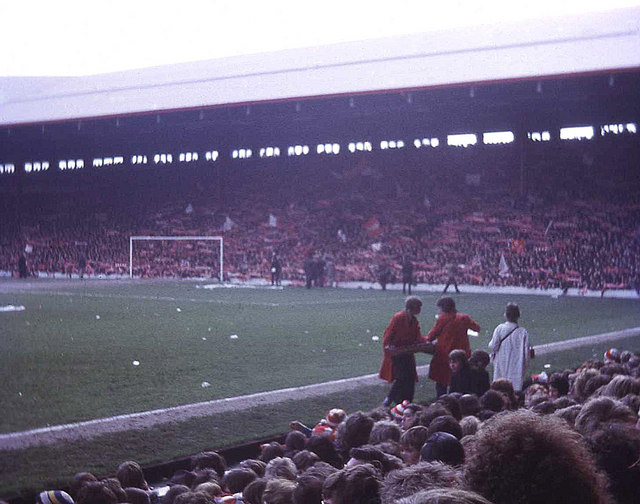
<point>398,364</point>
<point>450,331</point>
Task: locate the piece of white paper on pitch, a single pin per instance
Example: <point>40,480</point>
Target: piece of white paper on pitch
<point>10,308</point>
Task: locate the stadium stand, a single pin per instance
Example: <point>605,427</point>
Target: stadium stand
<point>583,236</point>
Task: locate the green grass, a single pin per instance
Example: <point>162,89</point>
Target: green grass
<point>59,363</point>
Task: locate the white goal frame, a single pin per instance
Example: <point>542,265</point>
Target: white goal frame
<point>176,238</point>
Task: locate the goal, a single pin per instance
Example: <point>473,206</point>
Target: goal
<point>196,246</point>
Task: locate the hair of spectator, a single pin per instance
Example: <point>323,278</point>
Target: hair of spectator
<point>295,441</point>
<point>78,481</point>
<point>445,496</point>
<point>469,404</point>
<point>278,491</point>
<point>362,485</point>
<point>505,386</point>
<point>205,476</point>
<point>412,303</point>
<point>96,492</point>
<point>512,312</point>
<point>479,358</point>
<point>493,400</point>
<point>415,437</point>
<point>354,431</point>
<point>281,467</point>
<point>442,447</point>
<point>257,466</point>
<point>210,488</point>
<point>324,448</point>
<point>538,458</point>
<point>433,411</point>
<point>252,494</point>
<point>235,480</point>
<point>308,490</point>
<point>137,496</point>
<point>617,451</point>
<point>304,459</point>
<point>385,430</point>
<point>130,475</point>
<point>115,486</point>
<point>445,424</point>
<point>421,476</point>
<point>209,459</point>
<point>469,426</point>
<point>173,492</point>
<point>602,410</point>
<point>446,304</point>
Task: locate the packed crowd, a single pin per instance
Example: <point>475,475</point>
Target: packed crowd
<point>361,222</point>
<point>570,437</point>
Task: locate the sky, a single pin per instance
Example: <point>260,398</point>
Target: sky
<point>87,37</point>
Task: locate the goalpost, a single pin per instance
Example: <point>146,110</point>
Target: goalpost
<point>176,238</point>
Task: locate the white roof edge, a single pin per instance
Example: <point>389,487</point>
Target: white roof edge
<point>591,42</point>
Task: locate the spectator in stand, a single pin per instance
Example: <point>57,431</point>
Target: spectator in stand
<point>510,347</point>
<point>422,476</point>
<point>450,333</point>
<point>276,270</point>
<point>399,366</point>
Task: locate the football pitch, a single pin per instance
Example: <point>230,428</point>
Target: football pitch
<point>82,350</point>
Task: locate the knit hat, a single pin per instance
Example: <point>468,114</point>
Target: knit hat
<point>442,447</point>
<point>323,429</point>
<point>398,410</point>
<point>335,416</point>
<point>54,497</point>
<point>613,354</point>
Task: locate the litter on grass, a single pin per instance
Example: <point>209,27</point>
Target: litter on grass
<point>233,336</point>
<point>136,363</point>
<point>471,332</point>
<point>10,308</point>
<point>178,310</point>
<point>205,384</point>
<point>547,366</point>
<point>375,338</point>
<point>97,317</point>
<point>204,339</point>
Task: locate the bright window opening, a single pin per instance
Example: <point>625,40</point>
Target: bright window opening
<point>241,154</point>
<point>391,144</point>
<point>139,159</point>
<point>7,168</point>
<point>36,166</point>
<point>539,136</point>
<point>462,140</point>
<point>618,129</point>
<point>70,164</point>
<point>498,137</point>
<point>359,147</point>
<point>211,155</point>
<point>577,133</point>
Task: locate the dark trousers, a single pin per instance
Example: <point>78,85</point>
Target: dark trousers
<point>404,379</point>
<point>406,283</point>
<point>440,389</point>
<point>449,282</point>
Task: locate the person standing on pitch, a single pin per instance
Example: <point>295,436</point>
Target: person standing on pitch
<point>407,275</point>
<point>398,345</point>
<point>510,347</point>
<point>450,333</point>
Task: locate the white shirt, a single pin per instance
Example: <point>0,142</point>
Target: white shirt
<point>512,355</point>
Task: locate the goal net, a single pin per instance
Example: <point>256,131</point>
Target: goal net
<point>176,256</point>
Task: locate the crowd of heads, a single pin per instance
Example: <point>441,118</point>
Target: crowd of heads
<point>587,240</point>
<point>572,436</point>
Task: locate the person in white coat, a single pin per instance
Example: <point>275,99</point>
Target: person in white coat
<point>510,347</point>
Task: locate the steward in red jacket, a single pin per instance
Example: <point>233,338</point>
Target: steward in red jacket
<point>399,366</point>
<point>450,331</point>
